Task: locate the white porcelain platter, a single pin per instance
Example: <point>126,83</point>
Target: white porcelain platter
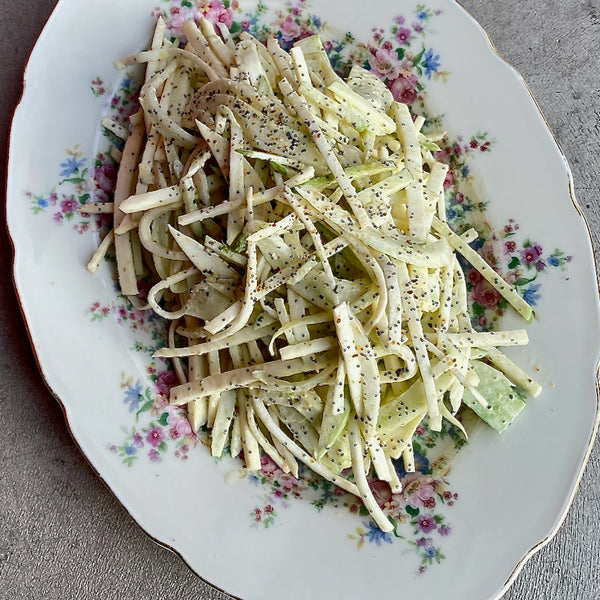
<point>465,527</point>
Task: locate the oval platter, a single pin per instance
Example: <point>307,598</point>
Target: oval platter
<point>471,514</point>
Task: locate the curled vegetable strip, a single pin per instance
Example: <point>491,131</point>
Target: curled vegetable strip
<point>291,227</point>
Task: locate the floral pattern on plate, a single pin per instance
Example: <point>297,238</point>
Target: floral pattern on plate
<point>402,58</point>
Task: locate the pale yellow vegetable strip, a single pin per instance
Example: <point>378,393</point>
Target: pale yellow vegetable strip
<point>394,304</point>
<point>338,398</point>
<point>225,318</point>
<point>446,296</point>
<point>291,464</point>
<point>349,352</point>
<point>435,188</point>
<point>214,368</point>
<point>101,251</point>
<point>418,217</point>
<point>360,476</point>
<point>116,154</point>
<point>271,229</point>
<point>408,456</point>
<point>395,483</point>
<point>115,128</point>
<point>177,366</point>
<point>237,378</point>
<point>123,188</point>
<point>249,442</point>
<point>97,208</point>
<point>235,445</point>
<point>381,123</point>
<point>202,48</point>
<point>315,319</point>
<point>146,173</point>
<point>501,286</point>
<point>513,372</point>
<point>485,339</point>
<point>245,335</point>
<point>145,233</point>
<point>282,61</point>
<point>415,327</point>
<point>197,409</point>
<point>222,422</point>
<point>219,47</point>
<point>167,196</point>
<point>248,301</point>
<point>205,260</point>
<point>262,440</point>
<point>161,286</point>
<point>276,432</point>
<point>235,221</point>
<point>302,349</point>
<point>158,39</point>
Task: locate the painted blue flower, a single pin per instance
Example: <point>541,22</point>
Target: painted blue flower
<point>133,395</point>
<point>465,171</point>
<point>317,22</point>
<point>451,214</point>
<point>42,202</point>
<point>430,552</point>
<point>130,450</point>
<point>553,261</point>
<point>532,294</point>
<point>422,15</point>
<point>376,535</point>
<point>71,166</point>
<point>431,62</point>
<point>421,465</point>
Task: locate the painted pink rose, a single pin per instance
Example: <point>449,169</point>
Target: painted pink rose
<point>105,176</point>
<point>180,427</point>
<point>404,89</point>
<point>384,63</point>
<point>165,381</point>
<point>485,295</point>
<point>178,18</point>
<point>287,481</point>
<point>418,490</point>
<point>268,465</point>
<point>216,12</point>
<point>290,30</point>
<point>449,181</point>
<point>488,252</point>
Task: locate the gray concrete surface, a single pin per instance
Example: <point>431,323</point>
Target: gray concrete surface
<point>64,536</point>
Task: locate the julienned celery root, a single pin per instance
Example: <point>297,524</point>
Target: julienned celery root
<point>292,227</point>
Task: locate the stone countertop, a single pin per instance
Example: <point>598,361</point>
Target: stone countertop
<point>64,536</point>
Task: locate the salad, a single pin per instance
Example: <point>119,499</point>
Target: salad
<point>290,225</point>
